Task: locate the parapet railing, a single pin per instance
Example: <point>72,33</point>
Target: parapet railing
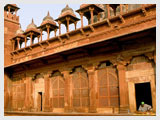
<point>58,42</point>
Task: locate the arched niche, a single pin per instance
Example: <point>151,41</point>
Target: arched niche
<point>80,89</point>
<point>57,88</point>
<point>140,75</point>
<point>38,91</point>
<point>107,88</point>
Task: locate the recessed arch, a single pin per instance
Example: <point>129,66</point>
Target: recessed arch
<point>57,86</point>
<point>80,89</point>
<point>107,86</point>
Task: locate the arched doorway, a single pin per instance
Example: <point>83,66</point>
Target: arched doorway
<point>38,92</point>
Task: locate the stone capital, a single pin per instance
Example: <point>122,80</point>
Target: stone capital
<point>81,14</point>
<point>59,22</point>
<point>91,9</point>
<point>91,67</point>
<point>65,70</point>
<point>68,18</point>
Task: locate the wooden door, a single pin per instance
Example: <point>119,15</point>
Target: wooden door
<point>80,90</point>
<point>107,87</point>
<point>39,101</point>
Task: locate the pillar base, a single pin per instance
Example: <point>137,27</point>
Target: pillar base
<point>92,109</point>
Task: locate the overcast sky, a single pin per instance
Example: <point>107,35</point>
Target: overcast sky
<point>39,11</point>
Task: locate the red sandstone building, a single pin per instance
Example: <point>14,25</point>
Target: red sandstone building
<point>105,67</point>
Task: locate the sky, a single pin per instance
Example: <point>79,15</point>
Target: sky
<point>39,11</point>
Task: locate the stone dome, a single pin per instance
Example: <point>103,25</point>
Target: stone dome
<point>48,18</point>
<point>19,31</point>
<point>67,10</point>
<point>32,25</point>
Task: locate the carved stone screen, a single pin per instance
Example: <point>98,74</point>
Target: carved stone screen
<point>80,88</point>
<point>57,86</point>
<point>107,87</point>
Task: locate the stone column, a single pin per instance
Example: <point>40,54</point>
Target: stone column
<point>38,38</point>
<point>48,31</point>
<point>98,16</point>
<point>81,14</point>
<point>108,10</point>
<point>75,25</point>
<point>123,86</point>
<point>25,41</point>
<point>126,5</point>
<point>121,10</point>
<point>41,35</point>
<point>9,9</point>
<point>92,87</point>
<point>18,39</point>
<point>67,18</point>
<point>16,12</point>
<point>67,94</point>
<point>91,12</point>
<point>59,22</point>
<point>31,36</point>
<point>47,92</point>
<point>55,32</point>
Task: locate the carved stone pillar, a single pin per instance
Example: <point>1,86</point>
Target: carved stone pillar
<point>18,39</point>
<point>75,25</point>
<point>47,92</point>
<point>91,12</point>
<point>25,41</point>
<point>41,35</point>
<point>81,14</point>
<point>31,36</point>
<point>48,31</point>
<point>59,22</point>
<point>121,10</point>
<point>108,10</point>
<point>67,94</point>
<point>99,16</point>
<point>123,86</point>
<point>67,19</point>
<point>55,32</point>
<point>92,87</point>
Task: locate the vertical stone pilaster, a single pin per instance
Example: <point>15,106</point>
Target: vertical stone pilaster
<point>47,92</point>
<point>67,94</point>
<point>92,87</point>
<point>28,99</point>
<point>123,86</point>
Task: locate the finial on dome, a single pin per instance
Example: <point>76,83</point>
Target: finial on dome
<point>32,21</point>
<point>48,14</point>
<point>67,5</point>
